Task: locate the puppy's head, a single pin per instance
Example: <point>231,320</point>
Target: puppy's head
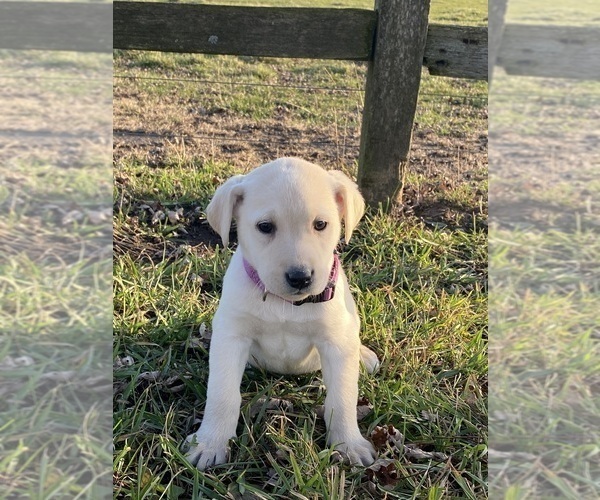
<point>289,215</point>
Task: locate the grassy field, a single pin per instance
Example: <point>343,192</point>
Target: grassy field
<point>55,276</point>
<point>183,124</point>
<point>559,12</point>
<point>420,294</point>
<point>544,282</point>
<point>544,277</point>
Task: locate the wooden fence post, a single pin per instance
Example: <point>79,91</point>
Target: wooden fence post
<point>392,89</point>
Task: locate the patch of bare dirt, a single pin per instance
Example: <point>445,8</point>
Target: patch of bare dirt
<point>442,164</point>
<point>64,123</point>
<point>444,188</point>
<point>546,181</point>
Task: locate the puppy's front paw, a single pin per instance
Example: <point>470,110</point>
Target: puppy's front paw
<point>358,451</point>
<point>205,453</point>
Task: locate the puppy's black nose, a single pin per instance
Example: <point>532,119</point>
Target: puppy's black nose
<point>299,277</point>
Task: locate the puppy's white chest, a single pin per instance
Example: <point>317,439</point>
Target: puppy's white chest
<point>284,348</point>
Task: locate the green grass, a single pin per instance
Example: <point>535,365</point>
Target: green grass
<point>420,291</point>
<point>55,276</point>
<point>167,80</point>
<point>262,92</point>
<point>53,311</point>
<point>535,106</point>
<point>544,277</point>
<point>561,12</point>
<point>421,295</point>
<point>544,363</point>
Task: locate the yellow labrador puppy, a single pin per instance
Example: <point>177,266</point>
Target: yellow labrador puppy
<point>286,306</point>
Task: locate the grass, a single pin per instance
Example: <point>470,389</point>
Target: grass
<point>246,110</point>
<point>420,294</point>
<point>420,285</point>
<point>561,12</point>
<point>544,278</point>
<point>54,321</point>
<point>55,276</point>
<point>331,90</point>
<point>544,362</point>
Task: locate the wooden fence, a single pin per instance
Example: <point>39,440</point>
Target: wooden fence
<point>395,38</point>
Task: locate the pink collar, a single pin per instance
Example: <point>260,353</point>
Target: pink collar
<point>324,296</point>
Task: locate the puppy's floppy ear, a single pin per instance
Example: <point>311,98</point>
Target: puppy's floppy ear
<point>219,211</point>
<point>349,200</point>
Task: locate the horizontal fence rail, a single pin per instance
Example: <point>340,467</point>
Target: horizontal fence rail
<point>454,51</point>
<point>320,33</point>
<point>254,31</point>
<point>56,26</point>
<point>457,51</point>
<point>550,51</point>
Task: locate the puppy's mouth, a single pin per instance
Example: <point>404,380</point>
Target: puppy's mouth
<point>297,294</point>
<point>301,294</point>
<point>293,294</point>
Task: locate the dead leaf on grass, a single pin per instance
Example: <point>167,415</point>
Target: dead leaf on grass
<point>387,435</point>
<point>412,451</point>
<point>157,217</point>
<point>194,278</point>
<point>72,216</point>
<point>150,376</point>
<point>389,439</point>
<point>363,408</point>
<point>98,216</point>
<point>175,215</point>
<point>383,472</point>
<point>168,384</point>
<point>123,362</point>
<point>59,376</point>
<point>203,338</point>
<point>204,332</point>
<point>9,362</point>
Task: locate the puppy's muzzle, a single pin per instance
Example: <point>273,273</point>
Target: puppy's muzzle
<point>299,277</point>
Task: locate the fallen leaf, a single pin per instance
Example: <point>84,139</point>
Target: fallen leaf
<point>363,408</point>
<point>151,376</point>
<point>174,216</point>
<point>64,376</point>
<point>72,216</point>
<point>383,471</point>
<point>412,451</point>
<point>387,435</point>
<point>124,361</point>
<point>9,362</point>
<point>157,216</point>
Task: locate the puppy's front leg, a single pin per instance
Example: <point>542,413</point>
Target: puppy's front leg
<point>227,360</point>
<point>340,367</point>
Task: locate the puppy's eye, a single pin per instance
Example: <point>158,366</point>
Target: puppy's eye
<point>265,227</point>
<point>320,225</point>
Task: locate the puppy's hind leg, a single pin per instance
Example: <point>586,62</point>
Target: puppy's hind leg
<point>369,359</point>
